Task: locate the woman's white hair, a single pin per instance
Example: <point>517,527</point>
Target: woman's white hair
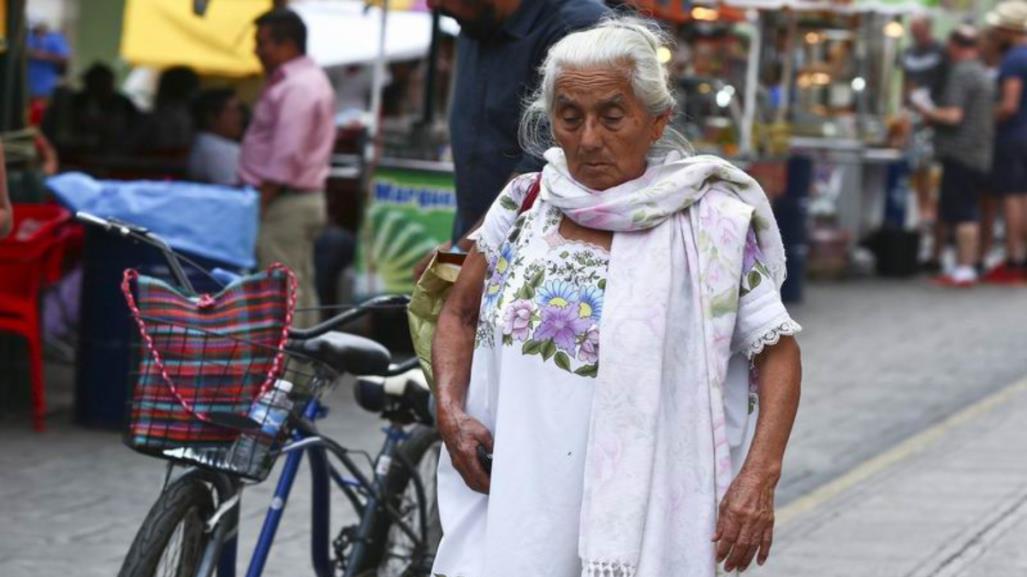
<point>623,42</point>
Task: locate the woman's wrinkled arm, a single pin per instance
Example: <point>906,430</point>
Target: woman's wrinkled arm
<point>452,351</point>
<point>746,522</point>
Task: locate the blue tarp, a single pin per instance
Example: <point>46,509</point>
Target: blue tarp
<point>215,222</point>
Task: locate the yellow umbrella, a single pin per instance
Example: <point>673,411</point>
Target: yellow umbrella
<point>162,33</point>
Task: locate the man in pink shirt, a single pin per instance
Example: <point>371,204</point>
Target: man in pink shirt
<point>287,149</point>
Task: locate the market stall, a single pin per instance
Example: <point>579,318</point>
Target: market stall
<point>767,80</point>
<point>411,199</point>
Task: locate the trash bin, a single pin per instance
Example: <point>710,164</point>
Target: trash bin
<point>896,248</point>
<point>212,225</point>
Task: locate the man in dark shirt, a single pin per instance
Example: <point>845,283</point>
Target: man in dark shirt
<point>1008,22</point>
<point>502,43</point>
<point>964,120</point>
<point>924,62</point>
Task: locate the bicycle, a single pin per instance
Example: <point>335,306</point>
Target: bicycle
<point>191,530</point>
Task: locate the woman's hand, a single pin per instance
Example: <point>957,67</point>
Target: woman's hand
<point>462,435</point>
<point>745,525</point>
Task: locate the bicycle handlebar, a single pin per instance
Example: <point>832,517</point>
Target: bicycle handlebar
<point>141,234</point>
<point>348,316</point>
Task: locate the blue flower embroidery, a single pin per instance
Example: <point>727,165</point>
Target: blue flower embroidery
<point>500,272</point>
<point>590,304</point>
<point>557,293</point>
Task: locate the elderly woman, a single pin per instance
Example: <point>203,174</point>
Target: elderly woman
<point>609,342</point>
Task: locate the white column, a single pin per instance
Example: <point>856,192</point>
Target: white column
<point>752,79</point>
<point>377,86</point>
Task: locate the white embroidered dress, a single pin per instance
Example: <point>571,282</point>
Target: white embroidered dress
<point>535,360</point>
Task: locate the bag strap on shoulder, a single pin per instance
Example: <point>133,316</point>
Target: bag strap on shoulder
<point>529,199</point>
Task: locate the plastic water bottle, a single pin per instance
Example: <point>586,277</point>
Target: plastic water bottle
<point>270,410</point>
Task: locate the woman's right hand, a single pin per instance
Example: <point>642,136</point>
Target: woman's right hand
<point>462,435</point>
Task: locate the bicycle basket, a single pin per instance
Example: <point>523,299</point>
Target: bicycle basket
<point>206,364</point>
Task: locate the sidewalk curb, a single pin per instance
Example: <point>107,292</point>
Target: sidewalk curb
<point>914,445</point>
<point>961,554</point>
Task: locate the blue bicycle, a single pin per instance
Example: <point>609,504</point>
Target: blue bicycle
<point>191,530</point>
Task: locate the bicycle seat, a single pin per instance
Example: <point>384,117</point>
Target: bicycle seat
<point>347,353</point>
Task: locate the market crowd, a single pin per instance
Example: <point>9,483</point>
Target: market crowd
<point>970,123</point>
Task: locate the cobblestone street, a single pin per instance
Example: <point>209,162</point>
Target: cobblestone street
<point>904,461</point>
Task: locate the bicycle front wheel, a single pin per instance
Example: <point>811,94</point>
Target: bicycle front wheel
<point>401,558</point>
<point>171,539</point>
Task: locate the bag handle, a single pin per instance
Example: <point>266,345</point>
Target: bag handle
<point>533,191</point>
<point>132,275</point>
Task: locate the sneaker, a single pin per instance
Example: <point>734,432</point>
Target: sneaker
<point>961,277</point>
<point>930,267</point>
<point>1005,274</point>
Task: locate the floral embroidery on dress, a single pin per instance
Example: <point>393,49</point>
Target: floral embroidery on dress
<point>550,303</point>
<point>754,271</point>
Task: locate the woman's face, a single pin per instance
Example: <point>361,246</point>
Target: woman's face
<point>602,127</point>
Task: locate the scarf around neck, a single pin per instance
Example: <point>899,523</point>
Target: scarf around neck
<point>658,461</point>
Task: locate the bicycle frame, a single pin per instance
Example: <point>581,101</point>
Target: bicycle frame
<point>222,549</point>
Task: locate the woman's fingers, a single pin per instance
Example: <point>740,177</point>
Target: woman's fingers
<point>470,435</point>
<point>480,434</point>
<point>741,556</point>
<point>741,535</point>
<point>472,471</point>
<point>751,536</point>
<point>766,542</point>
<point>727,531</point>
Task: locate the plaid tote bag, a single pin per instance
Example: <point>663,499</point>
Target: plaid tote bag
<point>204,359</point>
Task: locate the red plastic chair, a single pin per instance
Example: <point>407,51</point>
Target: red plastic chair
<point>31,258</point>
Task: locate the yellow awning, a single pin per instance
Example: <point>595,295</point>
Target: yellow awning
<point>162,33</point>
<point>412,5</point>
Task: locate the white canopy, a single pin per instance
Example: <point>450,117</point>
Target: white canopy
<point>344,32</point>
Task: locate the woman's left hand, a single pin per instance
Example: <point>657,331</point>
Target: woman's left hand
<point>745,525</point>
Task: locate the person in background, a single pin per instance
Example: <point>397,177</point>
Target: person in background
<point>353,88</point>
<point>1009,24</point>
<point>96,120</point>
<point>168,128</point>
<point>219,119</point>
<point>287,148</point>
<point>6,211</point>
<point>501,45</point>
<point>48,54</point>
<point>964,128</point>
<point>924,65</point>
